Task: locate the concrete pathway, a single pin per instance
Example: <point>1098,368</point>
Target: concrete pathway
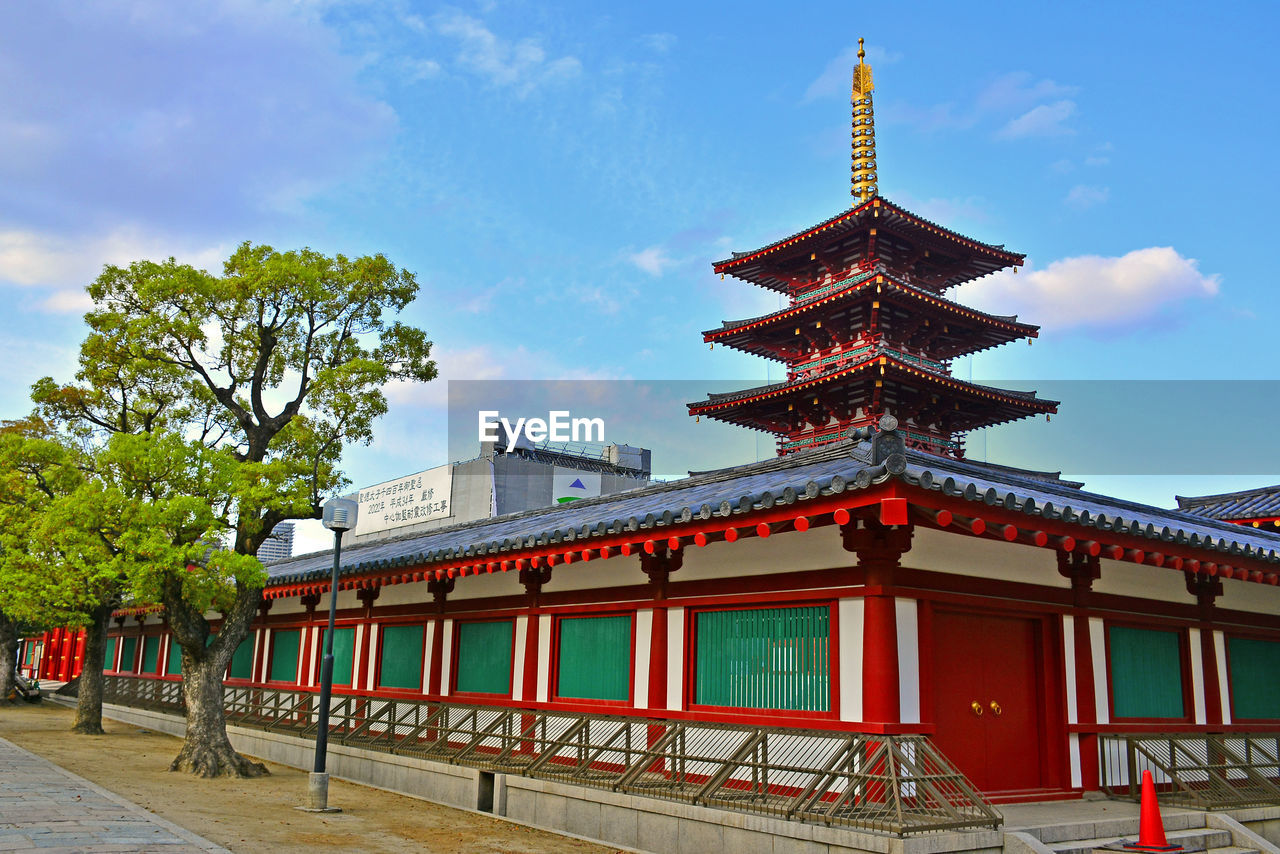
<point>48,809</point>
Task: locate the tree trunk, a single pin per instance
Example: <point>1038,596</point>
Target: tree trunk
<point>206,750</point>
<point>89,697</point>
<point>8,655</point>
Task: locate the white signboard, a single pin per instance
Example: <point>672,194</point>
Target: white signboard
<point>570,484</point>
<point>411,500</point>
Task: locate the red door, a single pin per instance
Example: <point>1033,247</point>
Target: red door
<point>987,706</point>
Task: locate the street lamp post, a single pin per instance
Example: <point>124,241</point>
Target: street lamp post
<point>339,516</point>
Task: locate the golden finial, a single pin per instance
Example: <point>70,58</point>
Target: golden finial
<point>865,182</point>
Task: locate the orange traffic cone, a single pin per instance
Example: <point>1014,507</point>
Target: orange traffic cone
<point>1150,827</point>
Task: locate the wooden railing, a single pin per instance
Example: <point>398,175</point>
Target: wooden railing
<point>892,783</point>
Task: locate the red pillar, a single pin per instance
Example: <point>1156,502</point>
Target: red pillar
<point>658,567</point>
<point>436,669</point>
<point>77,663</point>
<point>657,698</point>
<point>880,701</point>
<point>439,588</point>
<point>46,651</point>
<point>879,548</point>
<point>67,657</point>
<point>533,578</point>
<point>529,672</point>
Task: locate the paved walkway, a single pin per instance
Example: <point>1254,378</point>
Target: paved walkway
<point>48,809</point>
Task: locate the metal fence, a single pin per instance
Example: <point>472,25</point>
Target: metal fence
<point>892,783</point>
<point>1204,771</point>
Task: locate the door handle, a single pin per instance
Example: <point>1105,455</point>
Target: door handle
<point>995,708</point>
<point>977,708</point>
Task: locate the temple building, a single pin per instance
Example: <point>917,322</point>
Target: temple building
<point>866,634</point>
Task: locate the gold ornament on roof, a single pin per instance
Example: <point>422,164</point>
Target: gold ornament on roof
<point>865,181</point>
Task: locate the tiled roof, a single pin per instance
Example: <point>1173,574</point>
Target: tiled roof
<point>794,479</point>
<point>980,258</point>
<point>994,329</point>
<point>991,247</point>
<point>1261,503</point>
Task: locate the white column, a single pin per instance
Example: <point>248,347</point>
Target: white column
<point>266,657</point>
<point>675,659</point>
<point>1197,675</point>
<point>427,651</point>
<point>849,613</point>
<point>316,651</point>
<point>544,657</point>
<point>1224,684</point>
<point>640,660</point>
<point>1101,686</point>
<point>446,663</point>
<point>374,637</point>
<point>518,658</point>
<point>1069,673</point>
<point>908,619</point>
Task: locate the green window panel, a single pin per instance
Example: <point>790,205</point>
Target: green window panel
<point>150,654</point>
<point>242,660</point>
<point>128,655</point>
<point>595,658</point>
<point>344,652</point>
<point>284,655</point>
<point>764,658</point>
<point>484,657</point>
<point>401,659</point>
<point>174,665</point>
<point>1146,673</point>
<point>1255,678</point>
<point>109,660</point>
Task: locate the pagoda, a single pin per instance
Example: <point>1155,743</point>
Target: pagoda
<point>868,331</point>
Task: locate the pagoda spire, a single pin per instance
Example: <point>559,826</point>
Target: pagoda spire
<point>865,181</point>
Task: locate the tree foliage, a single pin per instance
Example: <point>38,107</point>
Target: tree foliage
<point>222,405</point>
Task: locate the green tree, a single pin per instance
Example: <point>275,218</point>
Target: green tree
<point>255,382</point>
<point>57,562</point>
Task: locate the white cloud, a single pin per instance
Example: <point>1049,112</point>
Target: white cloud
<point>1018,91</point>
<point>1042,120</point>
<point>417,70</point>
<point>658,42</point>
<point>1091,291</point>
<point>522,65</point>
<point>63,266</point>
<point>1083,196</point>
<point>653,260</point>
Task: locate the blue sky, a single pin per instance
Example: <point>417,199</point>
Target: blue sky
<point>560,176</point>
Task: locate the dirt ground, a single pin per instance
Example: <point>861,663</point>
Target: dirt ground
<point>259,815</point>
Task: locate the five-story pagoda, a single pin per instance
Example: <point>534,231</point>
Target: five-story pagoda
<point>868,331</point>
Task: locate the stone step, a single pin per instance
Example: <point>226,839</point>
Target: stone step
<point>1232,849</point>
<point>1201,837</point>
<point>1110,827</point>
